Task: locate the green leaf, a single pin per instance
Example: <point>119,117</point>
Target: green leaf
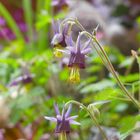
<point>10,21</point>
<point>60,15</point>
<point>107,94</point>
<point>130,77</point>
<point>127,62</point>
<point>43,19</point>
<point>27,5</point>
<point>128,123</point>
<point>98,86</point>
<point>100,102</point>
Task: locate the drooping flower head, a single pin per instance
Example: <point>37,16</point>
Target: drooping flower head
<point>78,54</point>
<point>63,120</point>
<point>60,33</point>
<point>24,79</point>
<point>60,5</point>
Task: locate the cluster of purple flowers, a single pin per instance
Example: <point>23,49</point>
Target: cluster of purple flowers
<point>62,42</point>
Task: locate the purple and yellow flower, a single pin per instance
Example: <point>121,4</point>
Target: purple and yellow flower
<point>60,5</point>
<point>24,79</point>
<point>77,57</point>
<point>63,121</point>
<point>59,39</point>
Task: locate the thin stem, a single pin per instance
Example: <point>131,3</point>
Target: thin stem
<point>137,58</point>
<point>63,136</point>
<point>81,134</point>
<point>111,68</point>
<point>68,20</point>
<point>115,75</point>
<point>90,114</point>
<point>101,56</point>
<point>99,127</point>
<point>10,21</point>
<point>27,6</point>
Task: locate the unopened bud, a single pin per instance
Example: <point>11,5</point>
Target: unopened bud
<point>94,110</point>
<point>134,53</point>
<point>95,30</point>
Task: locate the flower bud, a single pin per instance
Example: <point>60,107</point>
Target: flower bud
<point>94,110</point>
<point>134,53</point>
<point>95,30</point>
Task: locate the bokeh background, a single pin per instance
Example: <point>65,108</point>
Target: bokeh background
<point>32,79</point>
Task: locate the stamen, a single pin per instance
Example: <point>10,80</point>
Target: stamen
<point>74,75</point>
<point>57,52</point>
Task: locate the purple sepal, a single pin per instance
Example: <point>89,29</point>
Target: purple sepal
<point>25,79</point>
<point>60,35</point>
<point>77,52</point>
<point>64,120</point>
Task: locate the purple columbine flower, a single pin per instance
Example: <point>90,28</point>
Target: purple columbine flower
<point>24,79</point>
<point>63,120</point>
<point>60,5</point>
<point>77,57</point>
<point>59,39</point>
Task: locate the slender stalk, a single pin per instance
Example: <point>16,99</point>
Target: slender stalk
<point>92,117</point>
<point>101,56</point>
<point>115,74</point>
<point>139,81</point>
<point>137,58</point>
<point>99,127</point>
<point>43,33</point>
<point>63,136</point>
<point>107,63</point>
<point>10,21</point>
<point>81,134</point>
<point>27,6</point>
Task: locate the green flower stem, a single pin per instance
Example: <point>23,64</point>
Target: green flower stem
<point>27,6</point>
<point>101,56</point>
<point>116,75</point>
<point>138,61</point>
<point>90,114</point>
<point>101,52</point>
<point>63,136</point>
<point>10,21</point>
